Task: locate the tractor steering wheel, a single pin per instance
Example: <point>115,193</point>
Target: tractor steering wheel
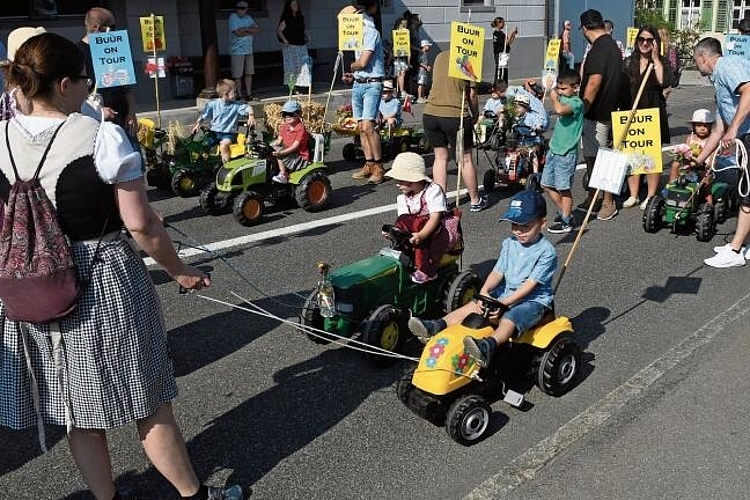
<point>399,237</point>
<point>491,304</point>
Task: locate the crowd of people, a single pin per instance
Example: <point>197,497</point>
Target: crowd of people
<point>118,322</point>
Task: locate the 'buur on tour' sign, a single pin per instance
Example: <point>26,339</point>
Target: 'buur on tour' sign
<point>152,33</point>
<point>643,140</point>
<point>467,48</point>
<point>401,43</point>
<point>351,31</point>
<point>113,62</point>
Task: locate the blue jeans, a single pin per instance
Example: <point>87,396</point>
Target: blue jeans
<point>525,315</point>
<point>366,100</point>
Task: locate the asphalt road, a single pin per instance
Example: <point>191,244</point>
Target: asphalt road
<point>658,407</point>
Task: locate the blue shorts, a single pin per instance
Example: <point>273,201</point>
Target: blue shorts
<point>220,136</point>
<point>366,100</point>
<point>559,170</point>
<point>525,315</point>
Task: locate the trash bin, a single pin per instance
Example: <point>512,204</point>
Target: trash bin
<point>181,71</point>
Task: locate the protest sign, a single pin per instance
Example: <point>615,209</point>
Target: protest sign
<point>152,33</point>
<point>113,62</point>
<point>351,31</point>
<point>466,50</point>
<point>551,62</point>
<point>609,171</point>
<point>401,43</point>
<point>738,45</point>
<point>642,143</point>
<point>155,67</point>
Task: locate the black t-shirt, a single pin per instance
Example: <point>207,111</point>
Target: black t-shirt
<point>294,30</point>
<point>498,42</point>
<point>605,59</point>
<point>116,97</point>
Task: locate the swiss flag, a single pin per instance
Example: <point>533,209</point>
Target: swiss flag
<point>407,105</point>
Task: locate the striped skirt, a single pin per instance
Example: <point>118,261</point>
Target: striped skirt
<point>115,360</point>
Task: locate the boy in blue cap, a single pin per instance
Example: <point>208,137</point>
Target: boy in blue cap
<point>521,279</point>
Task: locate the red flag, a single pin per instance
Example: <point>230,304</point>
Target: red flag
<point>407,105</point>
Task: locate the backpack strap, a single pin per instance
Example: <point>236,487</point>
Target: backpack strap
<point>44,155</point>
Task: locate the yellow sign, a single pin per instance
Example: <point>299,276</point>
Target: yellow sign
<point>631,34</point>
<point>351,31</point>
<point>467,48</point>
<point>553,53</point>
<point>643,141</point>
<point>152,33</point>
<point>401,43</point>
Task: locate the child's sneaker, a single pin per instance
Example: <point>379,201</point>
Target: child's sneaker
<point>480,349</point>
<point>478,207</point>
<point>561,226</point>
<point>280,178</point>
<point>425,329</point>
<point>419,277</point>
<point>231,493</point>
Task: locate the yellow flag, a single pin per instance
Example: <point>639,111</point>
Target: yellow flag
<point>467,47</point>
<point>643,142</point>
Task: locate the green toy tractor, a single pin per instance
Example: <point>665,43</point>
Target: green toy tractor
<point>375,296</point>
<point>245,184</point>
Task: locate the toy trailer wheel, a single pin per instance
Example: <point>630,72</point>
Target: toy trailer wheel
<point>310,316</point>
<point>350,152</point>
<point>468,419</point>
<point>385,329</point>
<point>463,289</point>
<point>208,200</point>
<point>721,210</point>
<point>248,208</point>
<point>184,184</point>
<point>489,180</point>
<point>705,223</point>
<point>654,214</point>
<point>314,192</point>
<point>559,366</point>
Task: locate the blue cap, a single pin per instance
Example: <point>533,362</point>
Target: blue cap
<point>525,206</point>
<point>291,107</point>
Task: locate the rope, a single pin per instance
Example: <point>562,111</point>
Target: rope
<point>740,152</point>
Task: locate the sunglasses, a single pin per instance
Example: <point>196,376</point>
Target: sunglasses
<point>89,81</point>
<point>641,39</point>
<point>284,114</point>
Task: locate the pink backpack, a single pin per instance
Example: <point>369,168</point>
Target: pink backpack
<point>38,279</point>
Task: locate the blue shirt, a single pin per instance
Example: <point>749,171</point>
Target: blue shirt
<point>240,45</point>
<point>224,115</point>
<point>536,105</point>
<point>729,73</point>
<point>390,108</point>
<point>494,105</point>
<point>518,263</point>
<point>371,41</point>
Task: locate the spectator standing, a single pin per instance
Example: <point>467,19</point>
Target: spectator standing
<point>414,23</point>
<point>118,103</point>
<point>731,78</point>
<point>441,120</point>
<point>501,48</point>
<point>401,63</point>
<point>291,33</point>
<point>423,76</point>
<point>242,27</point>
<point>669,52</point>
<point>115,365</point>
<point>603,89</point>
<point>566,47</point>
<point>647,51</point>
<point>367,75</point>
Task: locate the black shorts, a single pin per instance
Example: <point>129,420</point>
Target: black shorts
<point>441,132</point>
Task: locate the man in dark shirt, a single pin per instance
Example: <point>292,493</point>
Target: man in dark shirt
<point>602,91</point>
<point>118,103</point>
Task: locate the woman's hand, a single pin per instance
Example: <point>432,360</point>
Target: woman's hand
<point>192,278</point>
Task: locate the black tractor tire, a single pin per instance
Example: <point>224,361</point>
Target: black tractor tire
<point>705,223</point>
<point>653,215</point>
<point>463,289</point>
<point>248,208</point>
<point>314,192</point>
<point>185,184</point>
<point>386,329</point>
<point>559,366</point>
<point>310,316</point>
<point>208,200</point>
<point>404,386</point>
<point>490,178</point>
<point>468,419</point>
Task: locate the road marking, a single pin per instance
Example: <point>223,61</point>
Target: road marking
<point>526,466</point>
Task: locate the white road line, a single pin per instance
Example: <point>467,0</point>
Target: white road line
<point>526,466</point>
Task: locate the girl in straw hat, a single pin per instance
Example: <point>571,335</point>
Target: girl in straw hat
<point>421,207</point>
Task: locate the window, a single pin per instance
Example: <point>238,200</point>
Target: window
<point>690,13</point>
<point>47,9</point>
<point>740,11</point>
<point>255,6</point>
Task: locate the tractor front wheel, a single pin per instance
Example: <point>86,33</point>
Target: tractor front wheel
<point>248,208</point>
<point>468,419</point>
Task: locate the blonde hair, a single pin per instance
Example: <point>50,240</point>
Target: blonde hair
<point>664,35</point>
<point>224,86</point>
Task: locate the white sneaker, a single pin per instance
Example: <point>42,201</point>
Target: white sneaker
<point>644,204</point>
<point>630,202</point>
<point>728,246</point>
<point>281,179</point>
<point>726,258</point>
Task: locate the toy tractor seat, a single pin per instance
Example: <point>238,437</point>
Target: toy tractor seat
<point>318,144</point>
<point>146,132</point>
<point>236,149</point>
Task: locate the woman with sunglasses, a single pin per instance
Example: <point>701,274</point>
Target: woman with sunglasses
<point>648,51</point>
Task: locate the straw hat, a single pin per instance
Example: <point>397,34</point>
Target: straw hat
<point>702,116</point>
<point>408,167</point>
<point>18,36</point>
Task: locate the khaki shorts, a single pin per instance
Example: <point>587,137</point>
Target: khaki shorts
<point>595,135</point>
<point>242,65</point>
